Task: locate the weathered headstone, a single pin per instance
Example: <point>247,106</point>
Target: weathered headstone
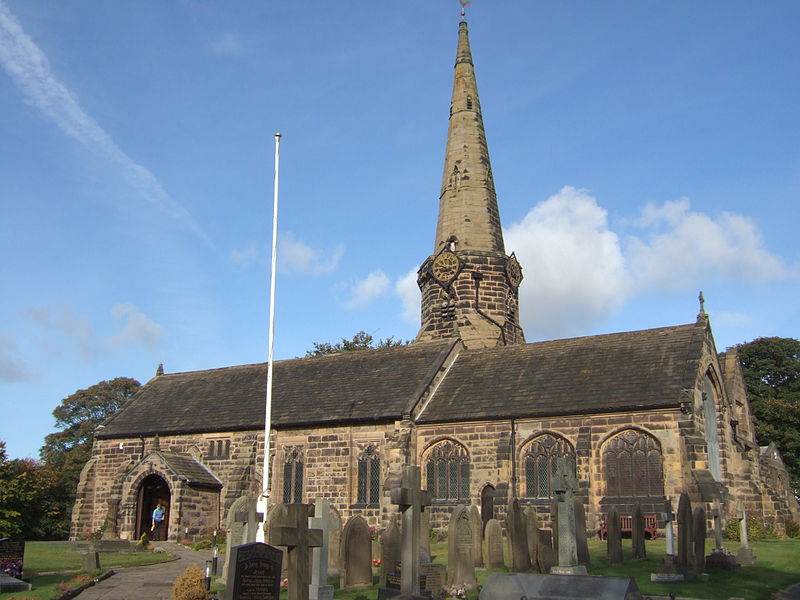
<point>411,500</point>
<point>639,551</point>
<point>355,562</point>
<point>90,561</point>
<point>460,554</point>
<point>564,487</point>
<point>390,550</point>
<point>614,537</point>
<point>433,576</point>
<point>532,535</point>
<point>236,528</point>
<point>425,531</point>
<point>699,536</point>
<point>325,522</point>
<point>545,555</point>
<point>517,538</point>
<point>685,545</point>
<point>582,544</point>
<point>294,534</point>
<point>12,554</point>
<point>477,534</point>
<point>335,541</point>
<point>276,516</point>
<point>494,544</point>
<point>254,572</point>
<point>506,586</point>
<point>745,555</point>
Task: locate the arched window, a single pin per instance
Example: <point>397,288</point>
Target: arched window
<point>539,459</point>
<point>711,430</point>
<point>369,476</point>
<point>632,463</point>
<point>447,471</point>
<point>293,475</point>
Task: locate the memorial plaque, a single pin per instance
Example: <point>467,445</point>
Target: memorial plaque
<point>255,572</point>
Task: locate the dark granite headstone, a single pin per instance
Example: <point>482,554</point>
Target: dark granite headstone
<point>494,544</point>
<point>637,533</point>
<point>460,553</point>
<point>355,563</point>
<point>516,526</point>
<point>508,586</point>
<point>254,573</point>
<point>699,535</point>
<point>685,545</point>
<point>390,550</point>
<point>12,555</point>
<point>614,537</point>
<point>580,534</point>
<point>477,534</point>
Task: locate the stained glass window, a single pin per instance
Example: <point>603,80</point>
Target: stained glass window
<point>540,460</point>
<point>293,476</point>
<point>447,471</point>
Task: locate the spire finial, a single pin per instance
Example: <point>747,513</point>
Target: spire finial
<point>464,4</point>
<point>702,300</point>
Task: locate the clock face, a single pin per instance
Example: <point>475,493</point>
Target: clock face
<point>445,266</point>
<point>514,271</point>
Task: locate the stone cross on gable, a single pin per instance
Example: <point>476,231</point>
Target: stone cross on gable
<point>412,501</point>
<point>323,521</point>
<point>295,535</point>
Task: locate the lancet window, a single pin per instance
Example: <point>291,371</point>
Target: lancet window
<point>293,475</point>
<point>539,458</point>
<point>633,466</point>
<point>369,476</point>
<point>447,471</point>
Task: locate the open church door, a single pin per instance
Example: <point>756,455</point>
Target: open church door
<point>152,491</point>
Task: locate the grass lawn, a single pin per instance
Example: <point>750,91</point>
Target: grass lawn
<point>66,562</point>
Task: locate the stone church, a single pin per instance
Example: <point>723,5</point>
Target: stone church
<point>641,415</point>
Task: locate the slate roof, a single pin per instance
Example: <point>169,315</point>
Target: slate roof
<point>603,373</point>
<point>188,469</point>
<point>375,385</point>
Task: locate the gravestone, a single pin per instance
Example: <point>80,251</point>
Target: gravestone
<point>669,569</point>
<point>293,533</point>
<point>433,576</point>
<point>720,557</point>
<point>111,532</point>
<point>325,522</point>
<point>254,572</point>
<point>494,544</point>
<point>240,530</point>
<point>564,487</point>
<point>277,514</point>
<point>614,537</point>
<point>90,561</point>
<point>685,545</point>
<point>355,558</point>
<point>580,532</point>
<point>425,531</point>
<point>512,586</point>
<point>477,534</point>
<point>699,536</point>
<point>411,500</point>
<point>545,555</point>
<point>745,555</point>
<point>12,555</point>
<point>334,543</point>
<point>554,525</point>
<point>460,554</point>
<point>532,535</point>
<point>638,550</point>
<point>517,538</point>
<point>390,550</point>
<point>669,526</point>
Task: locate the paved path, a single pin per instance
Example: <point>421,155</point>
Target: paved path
<point>152,581</point>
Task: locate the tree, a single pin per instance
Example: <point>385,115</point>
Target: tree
<point>360,341</point>
<point>771,369</point>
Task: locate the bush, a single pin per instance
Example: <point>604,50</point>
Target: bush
<point>190,585</point>
<point>202,545</point>
<point>757,530</point>
<point>792,529</point>
<point>144,541</point>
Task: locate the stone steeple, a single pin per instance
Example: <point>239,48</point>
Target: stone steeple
<point>469,285</point>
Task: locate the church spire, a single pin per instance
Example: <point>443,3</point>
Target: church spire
<point>468,214</point>
<point>469,285</point>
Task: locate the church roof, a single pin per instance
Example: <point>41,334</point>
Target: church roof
<point>604,373</point>
<point>375,385</point>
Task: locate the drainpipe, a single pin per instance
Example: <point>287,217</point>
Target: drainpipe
<point>513,459</point>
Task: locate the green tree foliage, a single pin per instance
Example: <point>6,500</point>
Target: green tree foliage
<point>771,368</point>
<point>360,341</point>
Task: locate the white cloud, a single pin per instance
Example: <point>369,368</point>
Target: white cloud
<point>30,71</point>
<point>574,269</point>
<point>246,254</point>
<point>64,320</point>
<point>295,256</point>
<point>406,287</point>
<point>364,291</point>
<point>228,43</point>
<point>12,368</point>
<point>135,327</point>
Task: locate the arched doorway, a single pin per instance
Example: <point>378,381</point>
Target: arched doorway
<point>153,490</point>
<point>487,503</point>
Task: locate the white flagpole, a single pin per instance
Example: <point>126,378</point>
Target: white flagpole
<point>263,498</point>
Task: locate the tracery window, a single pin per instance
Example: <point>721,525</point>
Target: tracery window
<point>539,458</point>
<point>447,471</point>
<point>632,462</point>
<point>369,476</point>
<point>293,475</point>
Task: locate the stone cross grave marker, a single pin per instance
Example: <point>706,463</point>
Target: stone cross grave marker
<point>637,533</point>
<point>614,537</point>
<point>390,550</point>
<point>685,546</point>
<point>745,555</point>
<point>669,526</point>
<point>325,522</point>
<point>699,536</point>
<point>564,487</point>
<point>295,535</point>
<point>669,568</point>
<point>412,500</point>
<point>254,573</point>
<point>460,558</point>
<point>494,544</point>
<point>716,514</point>
<point>517,538</point>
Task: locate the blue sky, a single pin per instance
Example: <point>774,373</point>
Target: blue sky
<point>642,151</point>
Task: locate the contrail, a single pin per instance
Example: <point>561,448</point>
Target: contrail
<point>30,71</point>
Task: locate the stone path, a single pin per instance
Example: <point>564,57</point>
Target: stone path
<point>152,581</point>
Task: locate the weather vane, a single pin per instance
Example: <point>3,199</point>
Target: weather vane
<point>464,4</point>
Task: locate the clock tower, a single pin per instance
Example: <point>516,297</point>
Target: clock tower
<point>469,285</point>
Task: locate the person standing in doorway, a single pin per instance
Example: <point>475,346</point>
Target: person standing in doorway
<point>158,522</point>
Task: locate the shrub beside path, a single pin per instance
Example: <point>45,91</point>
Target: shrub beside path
<point>151,581</point>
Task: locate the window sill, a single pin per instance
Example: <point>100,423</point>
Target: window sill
<point>370,505</point>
